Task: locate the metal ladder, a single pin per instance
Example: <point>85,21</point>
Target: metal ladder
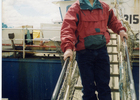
<point>69,86</point>
<point>121,79</point>
<point>114,72</point>
<point>63,93</point>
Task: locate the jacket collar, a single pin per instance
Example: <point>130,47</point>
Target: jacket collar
<point>85,6</point>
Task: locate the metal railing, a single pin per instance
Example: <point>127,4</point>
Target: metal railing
<point>127,88</point>
<point>60,80</point>
<point>132,87</point>
<point>67,81</point>
<point>23,44</point>
<point>126,84</point>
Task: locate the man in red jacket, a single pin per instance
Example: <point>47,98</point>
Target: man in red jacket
<point>84,30</point>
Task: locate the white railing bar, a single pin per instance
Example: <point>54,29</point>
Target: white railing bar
<point>46,29</point>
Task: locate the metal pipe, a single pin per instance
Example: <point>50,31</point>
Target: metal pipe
<point>132,87</point>
<point>74,69</point>
<point>59,82</point>
<point>11,37</point>
<point>37,39</point>
<point>61,14</point>
<point>23,43</point>
<point>67,93</point>
<point>46,46</point>
<point>29,51</point>
<point>49,29</point>
<point>13,45</point>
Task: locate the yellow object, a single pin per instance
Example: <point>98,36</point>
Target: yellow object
<point>36,34</point>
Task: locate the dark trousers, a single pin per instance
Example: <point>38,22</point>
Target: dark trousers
<point>94,66</point>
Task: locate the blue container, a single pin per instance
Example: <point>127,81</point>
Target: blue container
<point>135,71</point>
<point>29,79</point>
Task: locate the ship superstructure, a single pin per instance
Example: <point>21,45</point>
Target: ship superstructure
<point>28,44</point>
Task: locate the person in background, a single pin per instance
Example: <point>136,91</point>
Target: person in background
<point>84,30</point>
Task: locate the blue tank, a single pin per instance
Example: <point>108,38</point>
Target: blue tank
<point>29,79</point>
<point>135,72</point>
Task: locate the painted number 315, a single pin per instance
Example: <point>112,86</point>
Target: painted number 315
<point>133,19</point>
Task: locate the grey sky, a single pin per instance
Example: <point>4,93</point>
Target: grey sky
<point>29,12</point>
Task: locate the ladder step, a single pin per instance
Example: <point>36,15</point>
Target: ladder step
<point>135,55</point>
<point>135,61</point>
<point>111,32</point>
<point>114,75</point>
<point>113,53</point>
<point>114,90</point>
<point>114,62</point>
<point>113,38</point>
<point>79,87</point>
<point>114,45</point>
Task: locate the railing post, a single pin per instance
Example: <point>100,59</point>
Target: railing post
<point>23,43</point>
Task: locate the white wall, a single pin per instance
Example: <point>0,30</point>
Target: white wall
<point>131,10</point>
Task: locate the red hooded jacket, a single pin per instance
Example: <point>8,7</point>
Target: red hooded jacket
<point>83,27</point>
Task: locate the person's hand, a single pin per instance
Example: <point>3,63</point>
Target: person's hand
<point>68,53</point>
<point>123,34</point>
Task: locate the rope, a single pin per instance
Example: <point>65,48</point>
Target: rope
<point>71,77</point>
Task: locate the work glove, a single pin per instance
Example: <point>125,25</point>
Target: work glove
<point>68,53</point>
